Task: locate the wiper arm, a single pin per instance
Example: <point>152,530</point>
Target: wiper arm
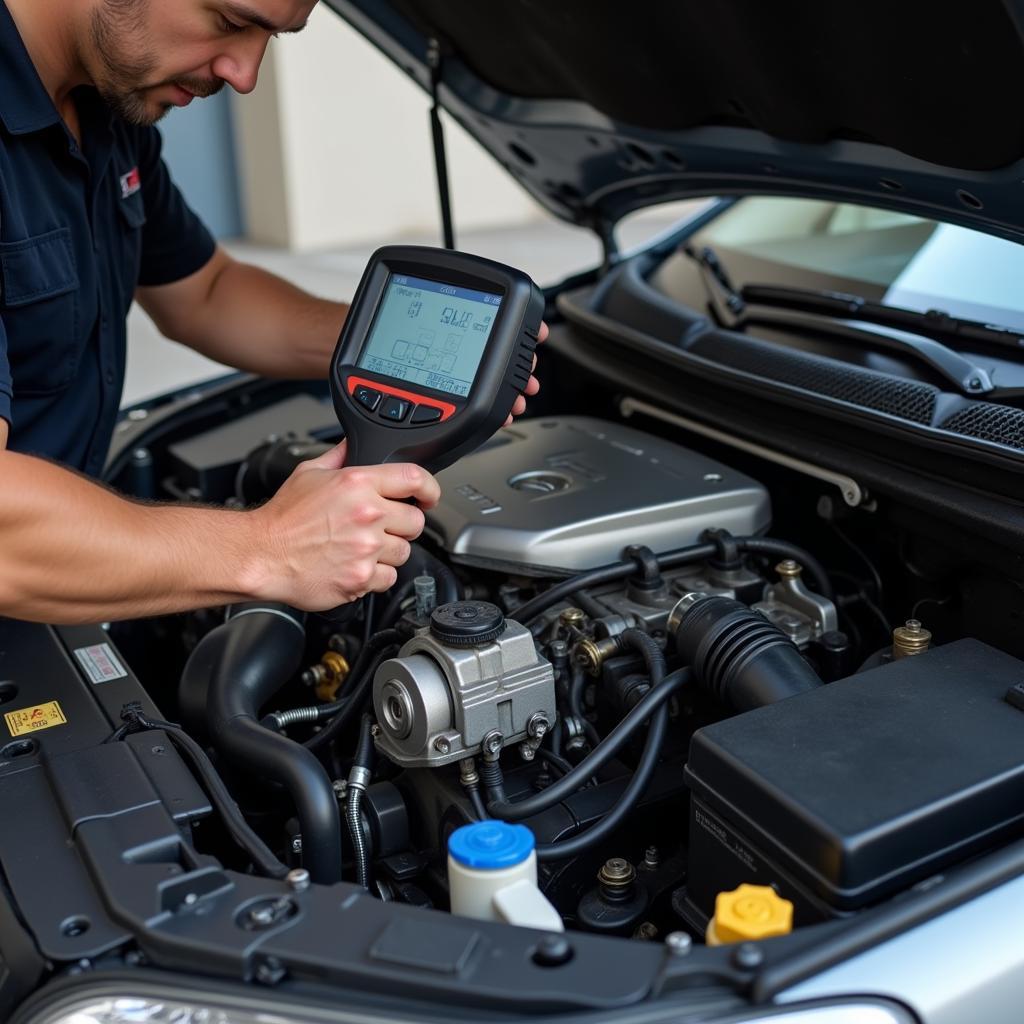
<point>842,313</point>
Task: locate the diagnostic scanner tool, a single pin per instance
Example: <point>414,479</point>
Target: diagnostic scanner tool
<point>434,351</point>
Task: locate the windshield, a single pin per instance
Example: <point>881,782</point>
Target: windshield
<point>889,257</point>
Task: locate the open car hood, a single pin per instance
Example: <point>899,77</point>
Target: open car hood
<point>598,108</point>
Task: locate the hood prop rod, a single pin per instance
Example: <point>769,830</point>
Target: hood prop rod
<point>437,133</point>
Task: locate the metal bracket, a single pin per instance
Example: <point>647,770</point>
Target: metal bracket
<point>852,492</point>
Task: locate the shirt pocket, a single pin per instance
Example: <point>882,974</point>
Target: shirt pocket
<point>39,304</point>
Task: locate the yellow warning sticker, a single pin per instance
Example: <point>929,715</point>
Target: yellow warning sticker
<point>42,716</point>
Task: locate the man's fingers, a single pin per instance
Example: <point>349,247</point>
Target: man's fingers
<point>395,552</point>
<point>384,578</point>
<point>542,334</point>
<point>333,458</point>
<point>403,520</point>
<point>399,480</point>
<point>532,386</point>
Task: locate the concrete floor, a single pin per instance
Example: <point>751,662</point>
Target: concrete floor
<point>547,250</point>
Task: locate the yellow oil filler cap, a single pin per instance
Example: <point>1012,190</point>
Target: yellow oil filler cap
<point>747,913</point>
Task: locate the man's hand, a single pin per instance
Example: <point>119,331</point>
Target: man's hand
<point>332,534</point>
<point>533,386</point>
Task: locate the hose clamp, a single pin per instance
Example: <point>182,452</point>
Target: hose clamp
<point>359,777</point>
<point>682,606</point>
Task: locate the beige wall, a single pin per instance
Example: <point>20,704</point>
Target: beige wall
<point>334,147</point>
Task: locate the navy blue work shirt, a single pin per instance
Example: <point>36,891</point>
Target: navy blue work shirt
<point>79,229</point>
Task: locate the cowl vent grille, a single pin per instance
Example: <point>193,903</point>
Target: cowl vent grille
<point>907,399</point>
<point>988,422</point>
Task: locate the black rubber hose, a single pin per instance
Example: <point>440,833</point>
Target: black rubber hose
<point>670,559</point>
<point>361,676</point>
<point>364,748</point>
<point>239,829</point>
<point>626,803</point>
<point>557,762</point>
<point>241,665</point>
<point>607,574</point>
<point>591,605</point>
<point>494,782</point>
<point>596,759</point>
<point>358,779</point>
<point>478,803</point>
<point>393,609</point>
<point>783,549</point>
<point>655,661</point>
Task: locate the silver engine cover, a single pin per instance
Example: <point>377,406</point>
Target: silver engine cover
<point>560,496</point>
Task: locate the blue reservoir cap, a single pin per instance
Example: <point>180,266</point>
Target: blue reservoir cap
<point>490,845</point>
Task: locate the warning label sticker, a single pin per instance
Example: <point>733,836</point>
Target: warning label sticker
<point>42,716</point>
<point>100,663</point>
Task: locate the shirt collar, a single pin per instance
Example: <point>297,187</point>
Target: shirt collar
<point>25,105</point>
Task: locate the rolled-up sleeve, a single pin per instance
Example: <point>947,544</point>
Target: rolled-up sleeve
<point>6,390</point>
<point>175,242</point>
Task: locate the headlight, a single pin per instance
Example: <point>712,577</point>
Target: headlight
<point>150,1011</point>
<point>99,1006</point>
<point>220,1008</point>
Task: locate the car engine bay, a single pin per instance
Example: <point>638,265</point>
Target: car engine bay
<point>603,635</point>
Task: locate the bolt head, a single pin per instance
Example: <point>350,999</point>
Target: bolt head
<point>442,746</point>
<point>537,727</point>
<point>297,844</point>
<point>747,956</point>
<point>616,872</point>
<point>492,742</point>
<point>678,943</point>
<point>572,616</point>
<point>553,951</point>
<point>298,879</point>
<point>263,915</point>
<point>526,752</point>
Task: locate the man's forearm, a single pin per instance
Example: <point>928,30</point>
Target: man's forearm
<point>252,319</point>
<point>72,551</point>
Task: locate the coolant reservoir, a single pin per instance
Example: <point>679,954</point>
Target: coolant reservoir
<point>492,875</point>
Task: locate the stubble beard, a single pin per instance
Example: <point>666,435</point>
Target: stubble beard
<point>126,62</point>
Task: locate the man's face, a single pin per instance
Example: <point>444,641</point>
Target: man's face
<point>147,56</point>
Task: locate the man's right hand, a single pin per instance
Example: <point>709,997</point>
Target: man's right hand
<point>333,533</point>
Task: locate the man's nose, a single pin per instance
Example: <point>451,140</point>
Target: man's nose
<point>240,65</point>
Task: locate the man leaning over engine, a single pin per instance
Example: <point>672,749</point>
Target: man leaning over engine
<point>89,220</point>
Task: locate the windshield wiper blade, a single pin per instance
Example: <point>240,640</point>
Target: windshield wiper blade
<point>932,321</point>
<point>903,330</point>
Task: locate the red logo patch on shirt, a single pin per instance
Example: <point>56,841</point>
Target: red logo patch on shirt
<point>130,183</point>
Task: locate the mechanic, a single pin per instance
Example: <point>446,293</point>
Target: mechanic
<point>89,218</point>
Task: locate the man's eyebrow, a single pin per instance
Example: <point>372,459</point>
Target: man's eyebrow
<point>244,13</point>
